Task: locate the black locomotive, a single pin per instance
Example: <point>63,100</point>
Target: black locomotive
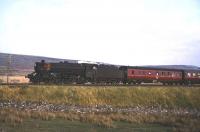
<point>64,72</point>
<point>80,73</point>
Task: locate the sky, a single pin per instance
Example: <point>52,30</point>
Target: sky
<point>124,32</point>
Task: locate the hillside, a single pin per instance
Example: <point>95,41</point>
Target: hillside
<point>22,64</point>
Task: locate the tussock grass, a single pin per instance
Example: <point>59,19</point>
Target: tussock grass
<point>171,97</point>
<point>15,117</point>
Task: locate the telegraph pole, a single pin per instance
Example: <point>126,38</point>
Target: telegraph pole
<point>8,67</point>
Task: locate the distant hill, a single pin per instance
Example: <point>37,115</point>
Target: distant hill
<point>23,64</point>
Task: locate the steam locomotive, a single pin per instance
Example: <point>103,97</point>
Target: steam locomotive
<point>81,73</point>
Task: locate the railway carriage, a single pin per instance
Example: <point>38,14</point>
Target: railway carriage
<point>192,76</point>
<point>137,75</point>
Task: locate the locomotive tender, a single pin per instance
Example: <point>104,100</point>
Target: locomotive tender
<point>64,72</point>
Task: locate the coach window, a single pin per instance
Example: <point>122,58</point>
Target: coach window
<point>142,72</point>
<point>189,74</point>
<point>180,74</point>
<point>168,73</point>
<point>194,74</point>
<point>199,74</point>
<point>139,72</point>
<point>173,74</point>
<point>177,74</point>
<point>149,73</point>
<point>157,73</point>
<point>132,72</point>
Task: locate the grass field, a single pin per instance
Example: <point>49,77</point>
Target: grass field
<point>176,97</point>
<point>170,97</point>
<point>58,125</point>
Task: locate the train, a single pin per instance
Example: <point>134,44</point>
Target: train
<point>87,73</point>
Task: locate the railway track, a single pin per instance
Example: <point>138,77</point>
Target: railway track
<point>98,85</point>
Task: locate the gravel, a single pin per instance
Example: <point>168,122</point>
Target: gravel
<point>44,106</point>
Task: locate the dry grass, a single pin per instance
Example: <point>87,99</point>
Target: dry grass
<point>14,117</point>
<point>14,79</point>
<point>179,123</point>
<point>172,97</point>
